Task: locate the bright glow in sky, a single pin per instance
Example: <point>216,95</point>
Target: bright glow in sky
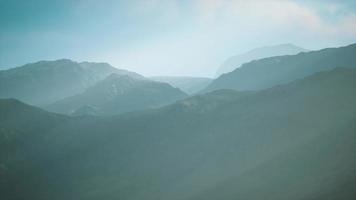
<point>166,37</point>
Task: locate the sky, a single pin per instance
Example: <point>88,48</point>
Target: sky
<point>166,37</point>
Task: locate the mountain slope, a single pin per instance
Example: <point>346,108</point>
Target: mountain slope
<point>322,168</point>
<point>189,85</point>
<point>268,72</point>
<point>21,128</point>
<point>119,94</point>
<point>45,82</point>
<point>200,145</point>
<point>258,53</point>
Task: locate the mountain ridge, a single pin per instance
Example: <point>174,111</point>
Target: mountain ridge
<point>258,53</point>
<point>44,82</point>
<point>120,93</point>
<point>268,72</point>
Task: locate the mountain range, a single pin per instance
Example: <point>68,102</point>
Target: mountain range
<point>45,82</point>
<point>276,128</point>
<point>69,87</point>
<point>118,94</point>
<point>292,141</point>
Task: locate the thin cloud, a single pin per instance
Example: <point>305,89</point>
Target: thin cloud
<point>277,14</point>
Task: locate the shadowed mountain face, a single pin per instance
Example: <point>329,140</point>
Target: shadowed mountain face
<point>286,142</point>
<point>118,94</point>
<point>268,72</point>
<point>258,53</point>
<point>45,82</point>
<point>190,85</point>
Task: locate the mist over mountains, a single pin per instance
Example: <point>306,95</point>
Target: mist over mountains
<point>276,128</point>
<point>45,82</point>
<point>67,87</point>
<point>263,52</point>
<point>118,94</point>
<point>177,100</point>
<point>190,85</point>
<point>268,72</point>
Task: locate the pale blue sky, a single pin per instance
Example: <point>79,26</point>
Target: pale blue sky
<point>166,37</point>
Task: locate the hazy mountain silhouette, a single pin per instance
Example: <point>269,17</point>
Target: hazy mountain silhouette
<point>86,110</point>
<point>190,85</point>
<point>118,94</point>
<point>45,82</point>
<point>293,141</point>
<point>263,52</point>
<point>268,72</point>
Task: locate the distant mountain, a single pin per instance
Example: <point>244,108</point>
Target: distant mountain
<point>268,72</point>
<point>258,53</point>
<point>294,141</point>
<point>190,85</point>
<point>45,82</point>
<point>118,94</point>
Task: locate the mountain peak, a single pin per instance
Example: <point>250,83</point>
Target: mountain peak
<point>119,93</point>
<point>56,79</point>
